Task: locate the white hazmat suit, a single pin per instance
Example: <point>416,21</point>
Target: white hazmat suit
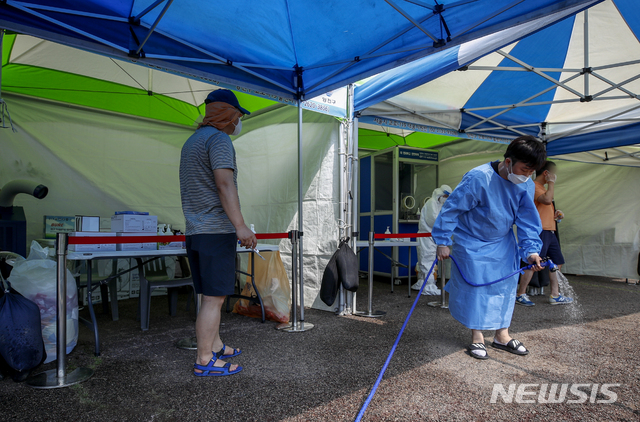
<point>426,246</point>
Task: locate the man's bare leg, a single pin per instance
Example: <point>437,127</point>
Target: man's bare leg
<point>525,279</point>
<point>553,284</point>
<point>208,330</point>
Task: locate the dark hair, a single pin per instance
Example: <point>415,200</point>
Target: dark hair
<point>548,165</point>
<point>527,149</point>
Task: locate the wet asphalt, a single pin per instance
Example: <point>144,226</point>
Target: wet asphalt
<point>325,374</point>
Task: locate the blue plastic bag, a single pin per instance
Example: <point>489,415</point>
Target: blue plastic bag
<point>21,344</point>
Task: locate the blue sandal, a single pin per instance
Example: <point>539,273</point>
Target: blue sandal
<point>221,355</point>
<point>214,371</point>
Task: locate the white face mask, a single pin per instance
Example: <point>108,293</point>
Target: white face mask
<point>516,178</point>
<point>238,128</point>
<point>442,199</point>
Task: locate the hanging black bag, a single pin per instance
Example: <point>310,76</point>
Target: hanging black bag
<point>330,281</point>
<point>347,267</point>
<point>342,268</point>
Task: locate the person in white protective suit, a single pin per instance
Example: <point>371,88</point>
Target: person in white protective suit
<point>426,246</point>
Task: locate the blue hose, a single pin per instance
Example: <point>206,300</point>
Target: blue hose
<point>363,409</point>
<point>393,349</point>
<point>546,263</point>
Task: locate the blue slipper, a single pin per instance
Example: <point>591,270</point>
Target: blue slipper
<point>214,371</point>
<point>221,355</point>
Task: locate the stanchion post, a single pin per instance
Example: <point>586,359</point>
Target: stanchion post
<point>444,303</point>
<point>57,378</point>
<point>294,325</point>
<point>370,312</point>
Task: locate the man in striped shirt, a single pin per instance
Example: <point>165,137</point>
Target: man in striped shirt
<point>214,223</point>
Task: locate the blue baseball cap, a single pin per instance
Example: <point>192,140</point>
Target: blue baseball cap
<point>225,96</point>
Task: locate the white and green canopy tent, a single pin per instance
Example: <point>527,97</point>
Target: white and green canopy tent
<point>105,135</point>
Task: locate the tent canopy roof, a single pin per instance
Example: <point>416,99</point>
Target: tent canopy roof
<point>575,85</point>
<point>280,49</point>
<point>44,69</point>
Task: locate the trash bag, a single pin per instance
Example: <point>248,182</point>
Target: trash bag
<point>21,344</point>
<point>35,279</point>
<point>348,265</point>
<point>330,281</point>
<point>273,284</point>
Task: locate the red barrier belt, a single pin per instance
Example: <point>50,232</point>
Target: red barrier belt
<point>272,235</point>
<point>399,235</point>
<point>108,240</point>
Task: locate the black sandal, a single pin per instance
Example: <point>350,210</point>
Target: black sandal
<point>511,347</point>
<point>478,346</point>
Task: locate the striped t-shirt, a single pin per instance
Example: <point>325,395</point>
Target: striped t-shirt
<point>206,150</point>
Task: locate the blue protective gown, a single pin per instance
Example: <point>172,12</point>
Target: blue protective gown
<point>480,215</point>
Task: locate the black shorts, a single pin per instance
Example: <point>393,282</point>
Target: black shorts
<point>551,247</point>
<point>212,258</point>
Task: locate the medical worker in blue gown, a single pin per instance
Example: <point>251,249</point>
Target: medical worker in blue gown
<point>479,215</point>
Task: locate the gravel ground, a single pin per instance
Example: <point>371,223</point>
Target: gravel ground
<point>326,373</point>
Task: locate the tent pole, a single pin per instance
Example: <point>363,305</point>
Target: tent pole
<point>586,52</point>
<point>1,40</point>
<point>355,181</point>
<point>346,209</point>
<point>295,324</point>
<point>342,211</point>
<point>300,222</point>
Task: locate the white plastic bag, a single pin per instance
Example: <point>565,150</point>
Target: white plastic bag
<point>35,279</point>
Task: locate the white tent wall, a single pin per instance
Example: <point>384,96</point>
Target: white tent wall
<point>600,203</point>
<point>268,182</point>
<point>95,163</point>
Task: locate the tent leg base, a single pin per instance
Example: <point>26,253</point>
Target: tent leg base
<point>298,327</point>
<point>372,314</point>
<point>189,343</point>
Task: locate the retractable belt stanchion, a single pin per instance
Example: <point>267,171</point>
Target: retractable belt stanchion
<point>443,302</point>
<point>57,378</point>
<point>294,325</point>
<point>397,243</point>
<point>191,343</point>
<point>370,312</point>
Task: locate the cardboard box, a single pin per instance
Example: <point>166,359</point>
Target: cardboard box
<point>85,223</point>
<point>171,246</point>
<point>151,246</point>
<point>58,224</point>
<point>127,223</point>
<point>106,247</point>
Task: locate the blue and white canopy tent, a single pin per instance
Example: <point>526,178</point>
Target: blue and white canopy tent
<point>575,85</point>
<point>287,50</point>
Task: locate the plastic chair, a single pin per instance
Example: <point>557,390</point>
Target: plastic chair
<point>156,275</point>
